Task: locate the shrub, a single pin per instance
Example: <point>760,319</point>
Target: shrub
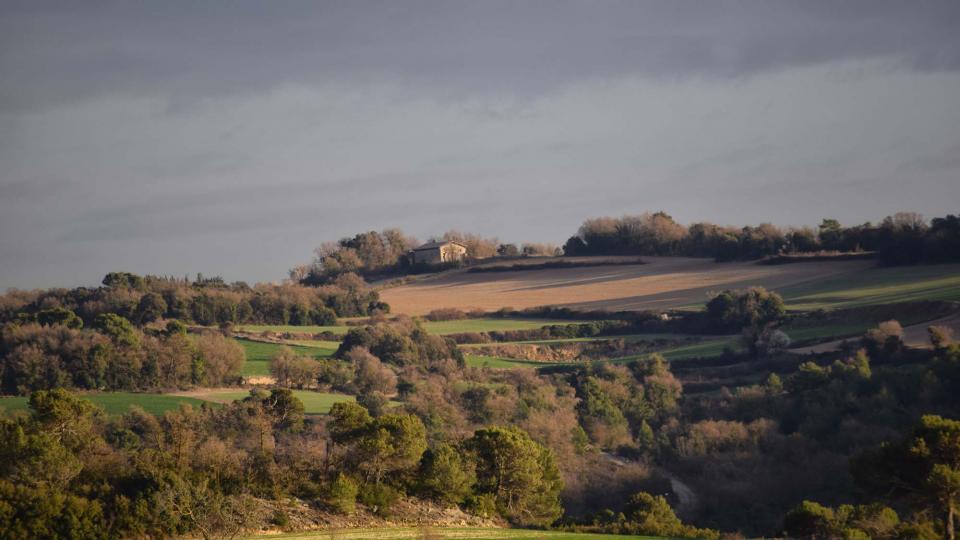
<point>736,309</point>
<point>342,495</point>
<point>445,314</point>
<point>941,337</point>
<point>884,340</point>
<point>482,504</point>
<point>380,498</point>
<point>651,515</point>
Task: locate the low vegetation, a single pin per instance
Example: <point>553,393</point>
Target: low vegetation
<point>116,403</point>
<point>665,423</point>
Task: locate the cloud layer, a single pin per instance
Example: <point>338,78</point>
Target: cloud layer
<point>233,138</point>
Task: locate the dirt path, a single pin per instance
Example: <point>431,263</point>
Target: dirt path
<point>662,283</point>
<point>915,336</point>
<point>688,500</point>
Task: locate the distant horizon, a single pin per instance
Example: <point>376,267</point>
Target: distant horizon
<point>192,274</point>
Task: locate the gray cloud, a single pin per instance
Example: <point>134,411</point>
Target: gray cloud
<point>232,138</point>
<point>53,53</point>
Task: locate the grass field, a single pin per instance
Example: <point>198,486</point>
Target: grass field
<point>496,362</point>
<point>434,327</point>
<point>490,325</point>
<point>260,353</point>
<point>257,328</point>
<point>811,333</point>
<point>116,403</point>
<point>313,402</point>
<point>628,338</point>
<point>705,349</point>
<point>877,286</point>
<point>458,533</point>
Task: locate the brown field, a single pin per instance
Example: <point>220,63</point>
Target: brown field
<point>664,282</point>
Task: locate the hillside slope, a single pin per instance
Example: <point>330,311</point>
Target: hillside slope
<point>664,282</point>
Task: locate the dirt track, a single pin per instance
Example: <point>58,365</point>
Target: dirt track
<point>665,282</point>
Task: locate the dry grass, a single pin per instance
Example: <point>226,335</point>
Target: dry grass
<point>664,282</point>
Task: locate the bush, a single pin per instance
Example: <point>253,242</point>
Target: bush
<point>343,494</point>
<point>323,316</point>
<point>380,498</point>
<point>445,314</point>
<point>883,341</point>
<point>651,515</point>
<point>280,518</point>
<point>482,505</point>
<point>736,309</point>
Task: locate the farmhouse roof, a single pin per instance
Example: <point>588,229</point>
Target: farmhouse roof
<point>436,245</point>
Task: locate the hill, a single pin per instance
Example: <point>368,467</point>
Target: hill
<point>662,283</point>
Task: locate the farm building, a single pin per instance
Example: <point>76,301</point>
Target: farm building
<point>438,252</point>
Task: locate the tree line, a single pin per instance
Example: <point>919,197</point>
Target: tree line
<point>112,354</point>
<point>904,238</point>
<point>376,255</point>
<point>204,301</point>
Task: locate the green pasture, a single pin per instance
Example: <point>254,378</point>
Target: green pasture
<point>115,403</point>
<point>434,327</point>
<point>827,332</point>
<point>259,354</point>
<point>404,533</point>
<point>490,325</point>
<point>877,286</point>
<point>497,362</point>
<point>703,349</point>
<point>313,402</point>
<point>309,329</point>
<point>630,338</point>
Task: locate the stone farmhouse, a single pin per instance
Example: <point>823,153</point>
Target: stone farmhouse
<point>438,252</point>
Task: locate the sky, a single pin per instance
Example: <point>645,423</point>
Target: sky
<point>233,137</point>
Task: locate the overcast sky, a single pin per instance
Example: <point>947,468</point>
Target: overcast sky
<point>233,137</point>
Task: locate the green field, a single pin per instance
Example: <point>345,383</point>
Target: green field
<point>877,286</point>
<point>704,349</point>
<point>828,332</point>
<point>313,402</point>
<point>402,533</point>
<point>434,327</point>
<point>330,346</point>
<point>116,403</point>
<point>260,353</point>
<point>497,362</point>
<point>490,325</point>
<point>628,338</point>
<point>257,328</point>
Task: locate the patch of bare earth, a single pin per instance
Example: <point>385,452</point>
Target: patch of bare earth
<point>302,516</point>
<point>215,395</point>
<point>662,283</point>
